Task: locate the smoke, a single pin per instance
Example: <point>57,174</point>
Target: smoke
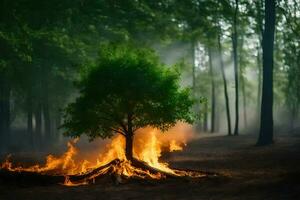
<point>249,101</point>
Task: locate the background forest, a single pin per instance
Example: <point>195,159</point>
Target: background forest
<point>215,44</point>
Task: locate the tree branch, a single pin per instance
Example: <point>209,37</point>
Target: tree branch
<point>118,131</point>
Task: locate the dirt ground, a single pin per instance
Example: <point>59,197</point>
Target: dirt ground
<point>246,172</point>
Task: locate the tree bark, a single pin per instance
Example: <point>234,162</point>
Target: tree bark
<point>225,85</point>
<point>46,110</point>
<point>235,62</point>
<point>205,117</point>
<point>213,92</point>
<point>4,111</point>
<point>243,83</point>
<point>47,121</point>
<point>259,77</point>
<point>194,67</point>
<point>29,118</point>
<point>259,5</point>
<point>129,138</point>
<point>56,126</point>
<point>38,124</point>
<point>266,124</point>
<point>244,101</point>
<point>129,146</point>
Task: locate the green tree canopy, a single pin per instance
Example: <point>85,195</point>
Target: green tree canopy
<point>126,90</point>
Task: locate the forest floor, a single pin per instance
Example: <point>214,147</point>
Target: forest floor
<point>246,172</point>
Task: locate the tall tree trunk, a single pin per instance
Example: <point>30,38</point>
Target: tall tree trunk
<point>225,85</point>
<point>205,121</point>
<point>38,124</point>
<point>45,106</point>
<point>4,111</point>
<point>193,50</point>
<point>196,108</point>
<point>259,19</point>
<point>56,125</point>
<point>259,77</point>
<point>30,118</point>
<point>293,117</point>
<point>235,61</point>
<point>46,112</point>
<point>213,92</point>
<point>243,82</point>
<point>266,123</point>
<point>244,101</point>
<point>47,121</point>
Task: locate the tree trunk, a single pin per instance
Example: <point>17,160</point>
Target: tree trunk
<point>129,146</point>
<point>47,121</point>
<point>4,111</point>
<point>129,139</point>
<point>243,82</point>
<point>293,117</point>
<point>56,126</point>
<point>30,118</point>
<point>205,116</point>
<point>266,123</point>
<point>259,77</point>
<point>46,111</point>
<point>38,124</point>
<point>225,85</point>
<point>259,5</point>
<point>194,67</point>
<point>213,92</point>
<point>244,101</point>
<point>235,61</point>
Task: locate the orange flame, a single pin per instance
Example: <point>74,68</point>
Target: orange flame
<point>148,146</point>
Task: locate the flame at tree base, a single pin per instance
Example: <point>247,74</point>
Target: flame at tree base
<point>149,143</point>
<point>123,170</point>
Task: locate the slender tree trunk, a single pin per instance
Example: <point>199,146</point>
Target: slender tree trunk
<point>205,121</point>
<point>225,86</point>
<point>194,67</point>
<point>38,124</point>
<point>47,121</point>
<point>266,124</point>
<point>4,111</point>
<point>235,62</point>
<point>46,109</point>
<point>57,124</point>
<point>213,92</point>
<point>46,117</point>
<point>293,117</point>
<point>259,81</point>
<point>196,108</point>
<point>243,82</point>
<point>244,101</point>
<point>217,119</point>
<point>30,118</point>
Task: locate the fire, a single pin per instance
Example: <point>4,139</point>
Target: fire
<point>174,146</point>
<point>148,146</point>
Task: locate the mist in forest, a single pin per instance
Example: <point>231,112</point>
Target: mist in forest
<point>46,53</point>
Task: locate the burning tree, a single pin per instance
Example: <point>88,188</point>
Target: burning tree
<point>126,90</point>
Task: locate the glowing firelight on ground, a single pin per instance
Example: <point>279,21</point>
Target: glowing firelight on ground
<point>148,146</point>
